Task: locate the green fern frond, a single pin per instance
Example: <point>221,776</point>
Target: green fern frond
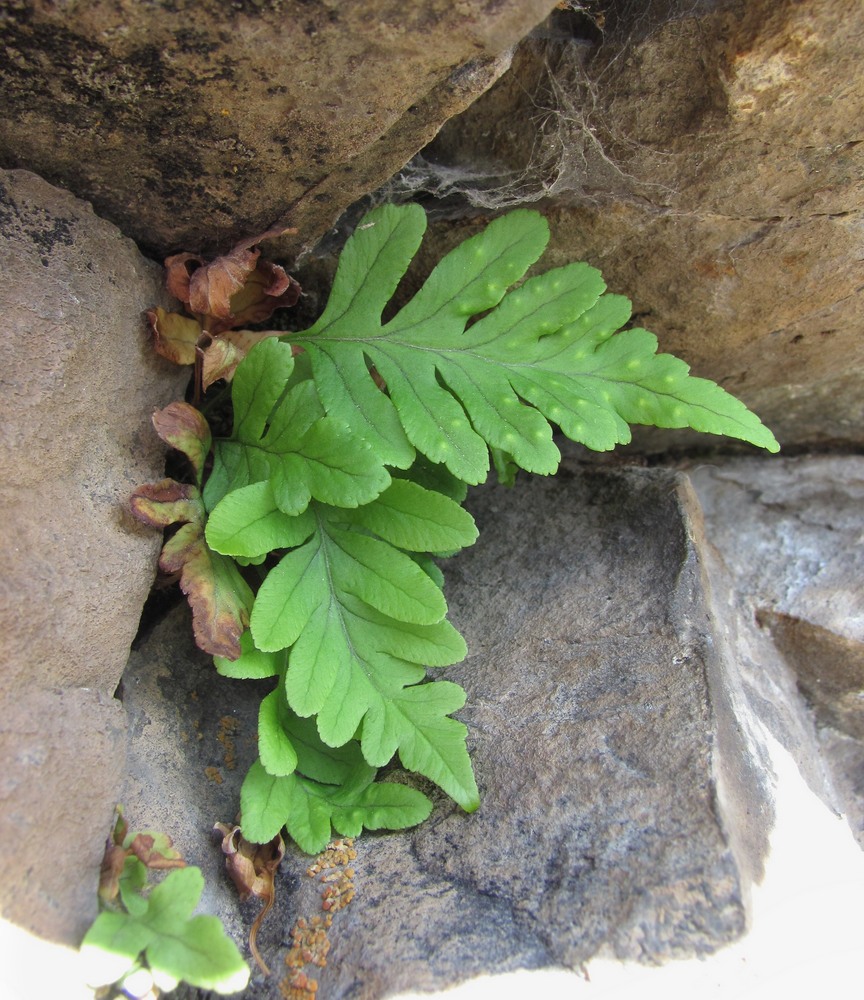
<point>546,354</point>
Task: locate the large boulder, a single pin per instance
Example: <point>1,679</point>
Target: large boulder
<point>193,126</point>
<point>707,158</point>
<point>79,383</point>
<point>619,811</point>
<point>638,739</point>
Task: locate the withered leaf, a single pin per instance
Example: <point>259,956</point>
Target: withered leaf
<point>233,289</point>
<point>221,358</point>
<point>179,269</point>
<point>174,336</point>
<point>266,288</point>
<point>252,868</point>
<point>213,285</point>
<point>220,598</point>
<point>183,427</point>
<point>166,502</point>
<point>111,870</point>
<point>155,851</point>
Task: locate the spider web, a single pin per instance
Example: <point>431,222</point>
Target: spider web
<point>556,139</point>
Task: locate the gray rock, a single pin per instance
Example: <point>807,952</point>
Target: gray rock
<point>802,521</point>
<point>78,384</point>
<point>591,682</point>
<point>786,578</point>
<point>192,737</point>
<point>191,127</point>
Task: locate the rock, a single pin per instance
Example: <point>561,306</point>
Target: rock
<point>610,783</point>
<point>829,669</point>
<point>79,383</point>
<point>708,162</point>
<point>63,752</point>
<point>787,569</point>
<point>802,521</point>
<point>191,128</point>
<point>192,736</point>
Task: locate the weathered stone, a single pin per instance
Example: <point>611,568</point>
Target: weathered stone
<point>192,737</point>
<point>590,682</point>
<point>829,669</point>
<point>63,752</point>
<point>712,167</point>
<point>191,126</point>
<point>788,573</point>
<point>78,383</point>
<point>802,521</point>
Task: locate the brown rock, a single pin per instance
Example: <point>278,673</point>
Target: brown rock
<point>193,126</point>
<point>829,669</point>
<point>63,754</point>
<point>78,384</point>
<point>712,167</point>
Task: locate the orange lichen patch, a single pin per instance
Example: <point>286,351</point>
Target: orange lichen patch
<point>336,854</point>
<point>225,734</point>
<point>213,774</point>
<point>339,891</point>
<point>309,938</point>
<point>310,943</point>
<point>298,987</point>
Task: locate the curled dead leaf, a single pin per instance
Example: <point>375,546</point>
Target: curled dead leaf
<point>175,336</point>
<point>183,427</point>
<point>213,285</point>
<point>233,289</point>
<point>155,850</point>
<point>154,854</point>
<point>179,269</point>
<point>252,868</point>
<point>110,871</point>
<point>267,288</point>
<point>220,598</point>
<point>166,502</point>
<point>221,358</point>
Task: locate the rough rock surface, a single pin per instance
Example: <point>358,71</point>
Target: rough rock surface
<point>787,540</point>
<point>708,158</point>
<point>77,387</point>
<point>590,685</point>
<point>196,124</point>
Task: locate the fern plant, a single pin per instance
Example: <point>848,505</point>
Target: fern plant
<point>342,481</point>
<point>146,939</point>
